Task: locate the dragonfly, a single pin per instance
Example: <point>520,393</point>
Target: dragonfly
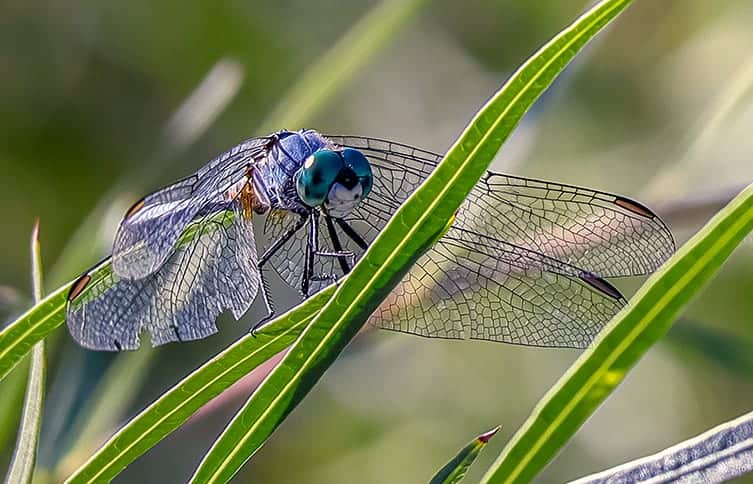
<point>525,261</point>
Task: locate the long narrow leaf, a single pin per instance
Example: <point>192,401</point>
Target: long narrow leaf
<point>339,65</point>
<point>17,338</point>
<point>180,402</point>
<point>455,470</point>
<point>12,390</point>
<point>413,228</point>
<point>327,76</point>
<point>106,408</point>
<point>721,454</point>
<point>363,43</point>
<point>25,454</point>
<point>630,334</point>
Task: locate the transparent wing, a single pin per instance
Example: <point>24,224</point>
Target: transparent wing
<point>213,267</point>
<point>147,234</point>
<point>606,234</point>
<point>289,261</point>
<point>461,290</point>
<point>523,262</point>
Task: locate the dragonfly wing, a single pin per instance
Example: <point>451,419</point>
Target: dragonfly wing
<point>213,267</point>
<point>289,261</point>
<point>604,233</point>
<point>467,288</point>
<point>523,262</point>
<point>147,235</point>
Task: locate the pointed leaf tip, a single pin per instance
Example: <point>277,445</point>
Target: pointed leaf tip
<point>487,436</point>
<point>455,470</point>
<point>35,231</point>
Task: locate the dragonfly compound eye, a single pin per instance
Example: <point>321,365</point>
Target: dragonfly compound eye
<point>316,176</point>
<point>351,186</point>
<point>355,160</point>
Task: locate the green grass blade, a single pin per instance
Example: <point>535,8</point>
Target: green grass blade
<point>25,454</point>
<point>36,264</point>
<point>630,334</point>
<point>335,69</point>
<point>180,402</point>
<point>455,470</point>
<point>12,390</point>
<point>317,86</point>
<point>413,228</point>
<point>17,338</point>
<point>696,343</point>
<point>190,120</point>
<point>106,408</point>
<point>718,455</point>
<point>358,46</point>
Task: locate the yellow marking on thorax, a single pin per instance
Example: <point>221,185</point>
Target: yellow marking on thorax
<point>246,196</point>
<point>247,199</point>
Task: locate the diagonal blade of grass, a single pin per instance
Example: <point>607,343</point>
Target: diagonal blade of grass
<point>24,455</point>
<point>82,243</point>
<point>412,229</point>
<point>365,42</point>
<point>17,338</point>
<point>12,389</point>
<point>43,318</point>
<point>455,470</point>
<point>209,99</point>
<point>323,80</point>
<point>109,403</point>
<point>191,119</point>
<point>718,455</point>
<point>698,343</point>
<point>180,402</point>
<point>339,65</point>
<point>630,334</point>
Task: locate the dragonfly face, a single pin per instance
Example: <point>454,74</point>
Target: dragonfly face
<point>525,261</point>
<point>335,180</point>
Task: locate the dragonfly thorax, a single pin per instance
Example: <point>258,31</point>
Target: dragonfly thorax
<point>335,180</point>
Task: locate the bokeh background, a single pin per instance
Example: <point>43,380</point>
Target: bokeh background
<point>101,102</point>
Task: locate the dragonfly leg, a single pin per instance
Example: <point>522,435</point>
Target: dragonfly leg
<point>337,245</point>
<point>308,264</point>
<point>265,293</point>
<point>314,241</point>
<point>332,278</point>
<point>267,303</point>
<point>312,251</point>
<point>281,241</point>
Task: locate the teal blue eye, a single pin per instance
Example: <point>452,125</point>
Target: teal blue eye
<point>317,175</point>
<point>355,160</point>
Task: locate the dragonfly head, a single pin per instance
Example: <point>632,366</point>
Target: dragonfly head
<point>336,180</point>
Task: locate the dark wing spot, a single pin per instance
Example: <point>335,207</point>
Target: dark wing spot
<point>79,286</point>
<point>635,207</point>
<point>601,285</point>
<point>134,208</point>
<point>118,345</point>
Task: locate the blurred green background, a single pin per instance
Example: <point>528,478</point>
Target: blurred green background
<point>93,104</point>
